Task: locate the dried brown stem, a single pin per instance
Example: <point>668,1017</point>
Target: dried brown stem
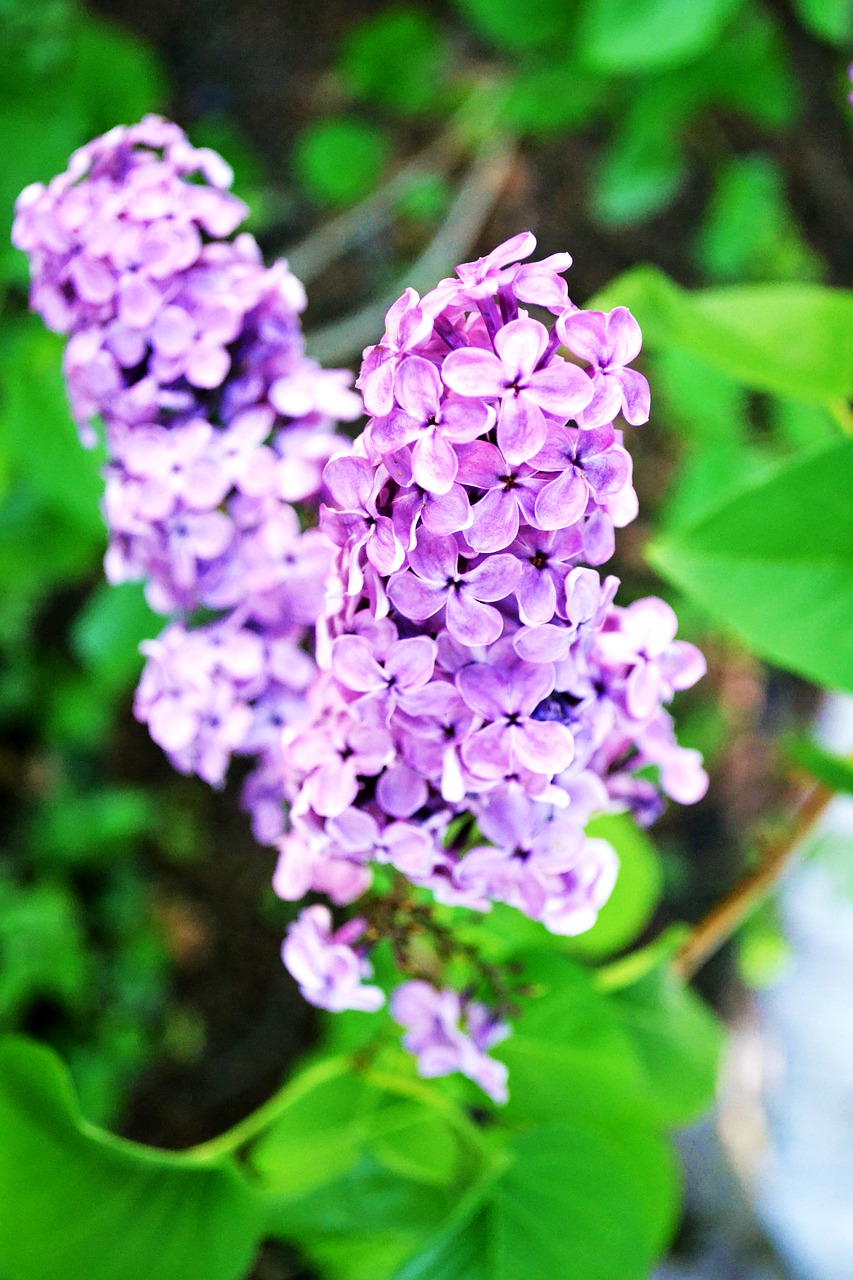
<point>720,923</point>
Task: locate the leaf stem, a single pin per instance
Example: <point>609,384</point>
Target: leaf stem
<point>241,1133</point>
<point>333,239</point>
<point>706,938</point>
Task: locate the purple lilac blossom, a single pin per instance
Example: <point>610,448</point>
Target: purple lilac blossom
<point>433,1033</point>
<point>190,353</point>
<point>327,966</point>
<point>468,659</point>
<point>533,701</point>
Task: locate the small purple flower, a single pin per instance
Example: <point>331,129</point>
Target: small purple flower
<point>435,582</point>
<point>546,560</point>
<point>433,1033</point>
<point>407,665</point>
<point>525,388</point>
<point>430,423</point>
<point>506,694</point>
<point>357,524</point>
<point>641,648</point>
<point>509,495</point>
<point>407,326</point>
<point>330,972</point>
<point>591,465</point>
<point>609,342</point>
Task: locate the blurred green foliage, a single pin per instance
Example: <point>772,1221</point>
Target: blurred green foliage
<point>81,961</point>
<point>648,77</point>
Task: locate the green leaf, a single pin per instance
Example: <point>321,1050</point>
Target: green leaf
<point>541,23</point>
<point>547,97</point>
<point>567,1051</point>
<point>75,1201</point>
<point>831,20</point>
<point>38,434</point>
<point>748,232</point>
<point>572,1061</point>
<point>411,1140</point>
<point>42,948</point>
<point>340,161</point>
<point>368,1199</point>
<point>642,168</point>
<point>397,59</point>
<point>635,895</point>
<point>367,1257</point>
<point>774,565</point>
<point>647,35</point>
<point>677,1040</point>
<point>93,827</point>
<point>425,198</point>
<point>361,1153</point>
<point>114,74</point>
<point>789,339</point>
<point>545,1215</point>
<point>107,632</point>
<point>318,1135</point>
<point>833,771</point>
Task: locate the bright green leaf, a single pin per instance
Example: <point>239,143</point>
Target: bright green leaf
<point>75,1201</point>
<point>774,565</point>
<point>635,894</point>
<point>677,1041</point>
<point>642,168</point>
<point>540,23</point>
<point>340,161</point>
<point>788,339</point>
<point>829,19</point>
<point>833,771</point>
<point>567,1049</point>
<point>94,826</point>
<point>318,1134</point>
<point>748,232</point>
<point>544,1216</point>
<point>107,632</point>
<point>396,58</point>
<point>414,1141</point>
<point>42,948</point>
<point>643,35</point>
<point>548,97</point>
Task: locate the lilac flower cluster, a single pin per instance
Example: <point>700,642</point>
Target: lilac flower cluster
<point>473,661</point>
<point>436,679</point>
<point>190,353</point>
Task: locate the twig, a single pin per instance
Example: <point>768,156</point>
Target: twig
<point>475,199</point>
<point>719,924</point>
<point>330,241</point>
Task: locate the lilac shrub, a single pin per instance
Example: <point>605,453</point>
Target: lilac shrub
<point>435,680</point>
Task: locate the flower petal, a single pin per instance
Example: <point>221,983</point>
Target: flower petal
<point>562,502</point>
<point>470,371</point>
<point>470,622</point>
<point>354,664</point>
<point>521,428</point>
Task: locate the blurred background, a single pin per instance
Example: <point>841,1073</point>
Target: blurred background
<point>378,145</point>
